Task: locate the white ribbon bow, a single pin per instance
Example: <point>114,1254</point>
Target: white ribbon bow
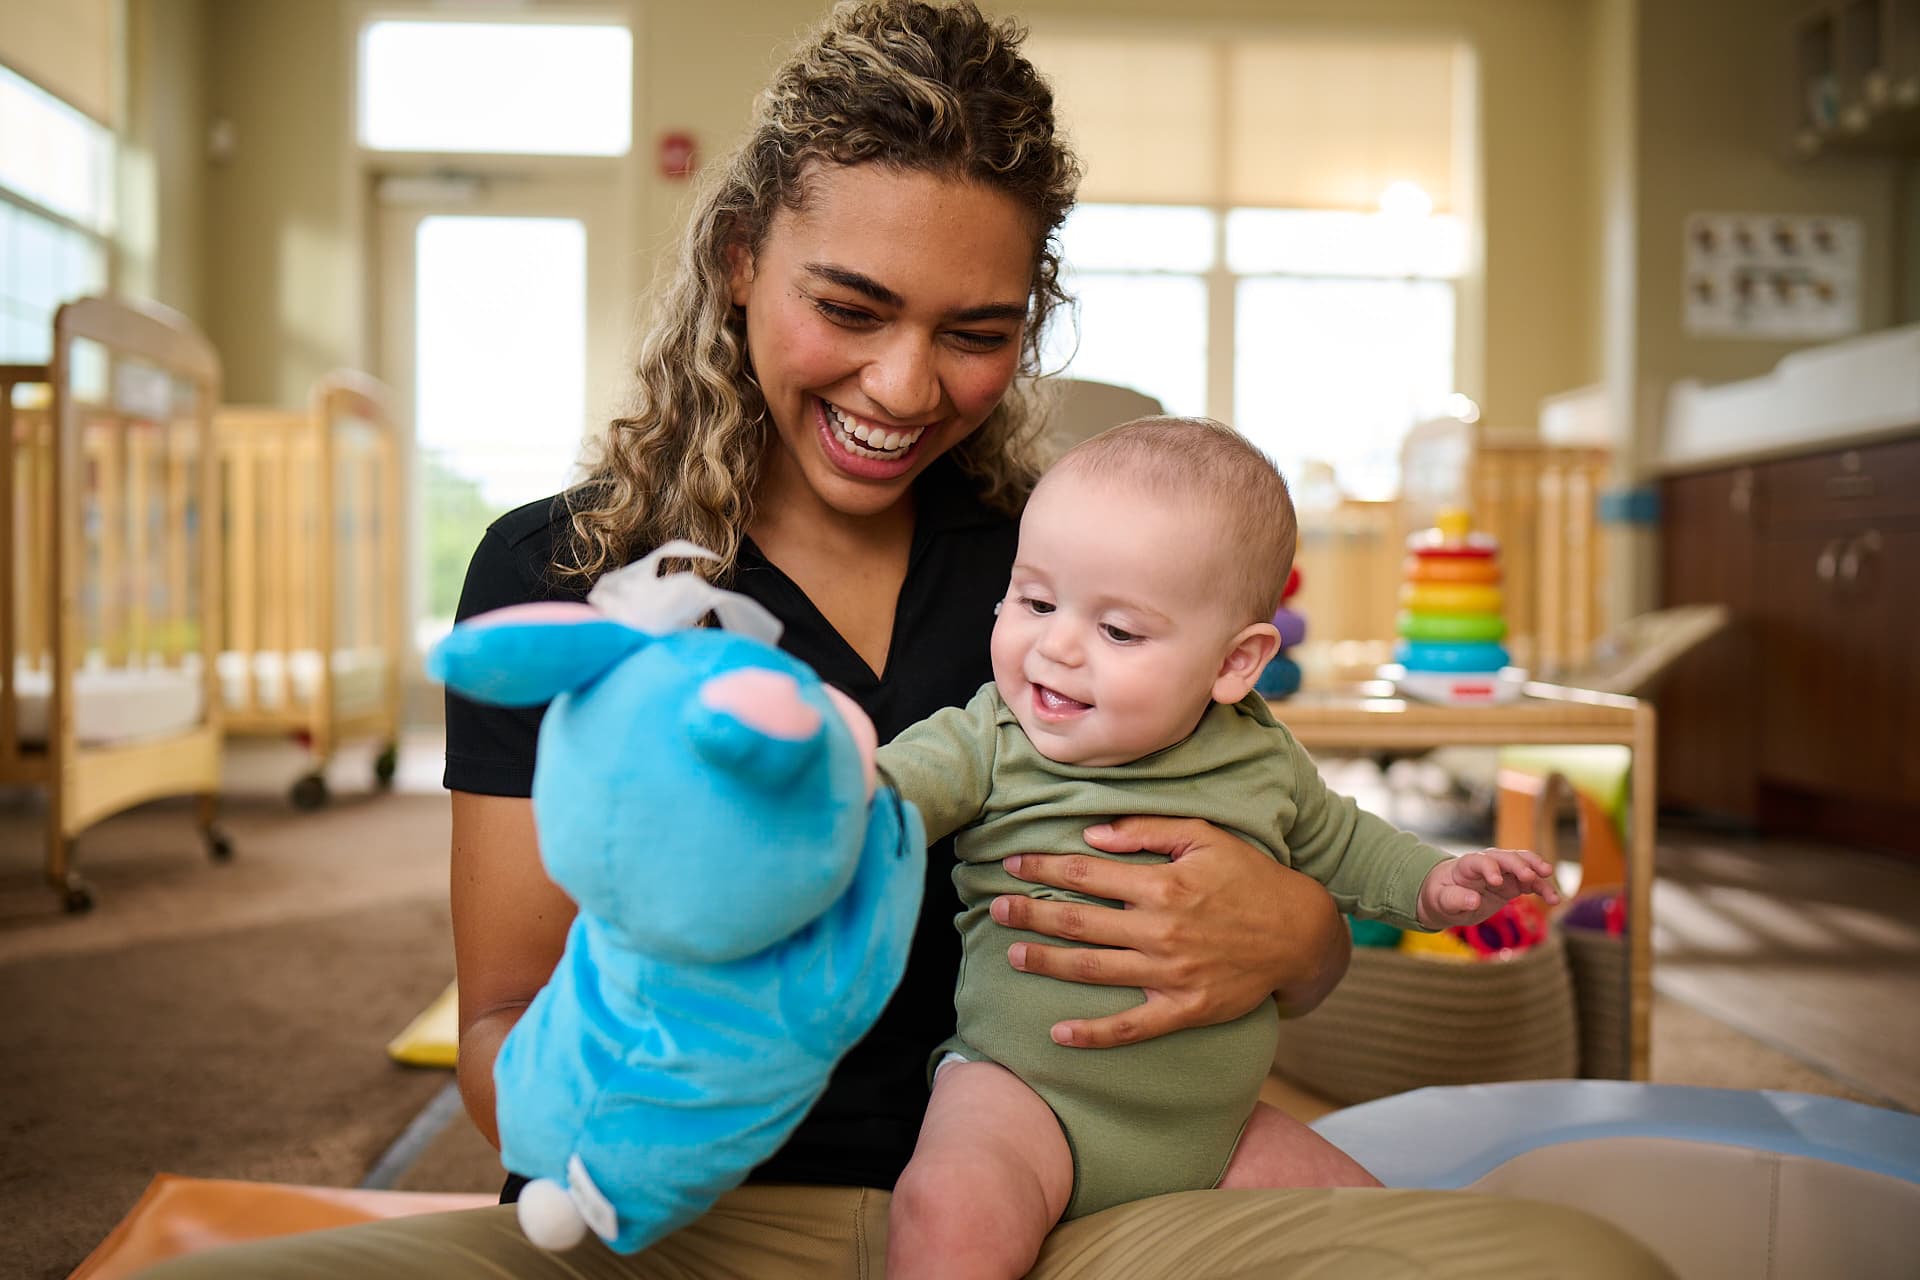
<point>659,604</point>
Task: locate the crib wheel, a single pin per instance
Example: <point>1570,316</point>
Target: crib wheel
<point>385,765</point>
<point>309,793</point>
<point>76,896</point>
<point>219,847</point>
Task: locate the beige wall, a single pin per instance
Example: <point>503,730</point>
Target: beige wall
<point>284,263</point>
<point>1602,122</point>
<point>1713,108</point>
<point>163,165</point>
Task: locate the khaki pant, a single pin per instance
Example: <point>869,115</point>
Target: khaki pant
<point>777,1232</point>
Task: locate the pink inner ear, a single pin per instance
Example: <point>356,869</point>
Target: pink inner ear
<point>552,611</point>
<point>765,700</point>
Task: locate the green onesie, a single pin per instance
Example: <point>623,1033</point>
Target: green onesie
<point>1162,1115</point>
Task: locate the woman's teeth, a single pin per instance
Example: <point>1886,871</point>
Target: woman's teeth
<point>868,441</point>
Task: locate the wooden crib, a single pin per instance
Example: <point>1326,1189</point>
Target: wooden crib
<point>108,693</point>
<point>312,641</point>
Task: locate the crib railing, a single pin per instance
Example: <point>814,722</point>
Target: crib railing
<point>107,494</point>
<point>312,638</point>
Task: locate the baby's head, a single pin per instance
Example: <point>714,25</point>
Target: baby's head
<point>1151,560</point>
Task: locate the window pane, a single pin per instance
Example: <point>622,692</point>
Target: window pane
<point>42,264</point>
<point>1141,331</point>
<point>53,155</point>
<point>496,86</point>
<point>1338,370</point>
<point>1320,243</point>
<point>501,318</point>
<point>1138,237</point>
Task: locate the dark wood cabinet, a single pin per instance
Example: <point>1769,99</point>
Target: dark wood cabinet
<point>1709,718</point>
<point>1805,716</point>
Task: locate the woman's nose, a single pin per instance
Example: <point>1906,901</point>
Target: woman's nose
<point>901,378</point>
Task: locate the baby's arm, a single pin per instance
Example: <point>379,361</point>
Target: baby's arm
<point>944,764</point>
<point>1468,889</point>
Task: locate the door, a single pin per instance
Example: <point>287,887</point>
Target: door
<point>500,316</point>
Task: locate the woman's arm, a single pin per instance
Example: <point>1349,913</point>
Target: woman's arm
<point>509,927</point>
<point>1208,935</point>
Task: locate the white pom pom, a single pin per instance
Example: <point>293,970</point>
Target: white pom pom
<point>548,1216</point>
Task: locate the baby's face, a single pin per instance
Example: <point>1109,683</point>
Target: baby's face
<point>1113,629</point>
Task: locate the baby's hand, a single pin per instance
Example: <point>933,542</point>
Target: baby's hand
<point>1468,889</point>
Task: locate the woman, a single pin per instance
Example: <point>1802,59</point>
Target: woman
<point>824,397</point>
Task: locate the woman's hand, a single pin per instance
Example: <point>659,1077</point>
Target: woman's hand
<point>1207,936</point>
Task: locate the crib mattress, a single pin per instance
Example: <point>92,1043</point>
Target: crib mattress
<point>113,704</point>
<point>290,681</point>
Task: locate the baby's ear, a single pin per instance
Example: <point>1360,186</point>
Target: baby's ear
<point>529,654</point>
<point>1253,648</point>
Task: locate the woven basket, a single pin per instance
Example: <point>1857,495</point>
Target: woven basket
<point>1597,962</point>
<point>1402,1021</point>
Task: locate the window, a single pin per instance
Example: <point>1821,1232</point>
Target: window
<point>1270,233</point>
<point>56,204</point>
<point>507,87</point>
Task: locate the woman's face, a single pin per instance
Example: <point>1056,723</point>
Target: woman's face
<point>884,321</point>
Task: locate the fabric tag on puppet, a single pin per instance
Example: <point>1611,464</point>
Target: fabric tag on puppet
<point>657,604</point>
<point>595,1209</point>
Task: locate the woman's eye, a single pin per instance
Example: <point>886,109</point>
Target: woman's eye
<point>1040,608</point>
<point>1117,635</point>
<point>841,315</point>
<point>981,341</point>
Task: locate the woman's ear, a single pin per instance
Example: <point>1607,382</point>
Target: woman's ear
<point>739,272</point>
<point>1253,648</point>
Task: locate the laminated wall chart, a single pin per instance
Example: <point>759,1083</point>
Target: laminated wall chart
<point>1779,276</point>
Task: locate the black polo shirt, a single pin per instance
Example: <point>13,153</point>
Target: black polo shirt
<point>862,1131</point>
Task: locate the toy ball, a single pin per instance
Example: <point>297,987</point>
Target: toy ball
<point>1281,679</point>
<point>1515,927</point>
<point>1292,626</point>
<point>1293,584</point>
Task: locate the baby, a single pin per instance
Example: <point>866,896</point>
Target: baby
<point>1151,559</point>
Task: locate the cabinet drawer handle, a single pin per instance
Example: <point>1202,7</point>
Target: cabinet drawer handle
<point>1856,554</point>
<point>1828,565</point>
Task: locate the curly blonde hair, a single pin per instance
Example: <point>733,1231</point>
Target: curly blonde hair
<point>917,87</point>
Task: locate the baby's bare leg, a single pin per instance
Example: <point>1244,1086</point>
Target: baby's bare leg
<point>1276,1150</point>
<point>989,1177</point>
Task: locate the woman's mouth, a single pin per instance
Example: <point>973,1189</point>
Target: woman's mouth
<point>864,439</point>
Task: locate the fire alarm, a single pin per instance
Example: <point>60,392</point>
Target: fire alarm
<point>676,155</point>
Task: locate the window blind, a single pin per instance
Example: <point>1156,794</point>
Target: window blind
<point>70,48</point>
<point>1307,122</point>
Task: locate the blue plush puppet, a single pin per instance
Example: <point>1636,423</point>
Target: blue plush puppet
<point>746,896</point>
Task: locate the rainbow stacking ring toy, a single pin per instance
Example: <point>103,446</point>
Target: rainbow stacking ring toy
<point>1452,617</point>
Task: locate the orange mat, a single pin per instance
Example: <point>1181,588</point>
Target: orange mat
<point>177,1215</point>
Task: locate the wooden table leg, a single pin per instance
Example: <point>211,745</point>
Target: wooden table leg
<point>1640,893</point>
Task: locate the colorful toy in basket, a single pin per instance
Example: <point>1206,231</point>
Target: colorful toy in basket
<point>1451,621</point>
<point>1281,679</point>
<point>747,896</point>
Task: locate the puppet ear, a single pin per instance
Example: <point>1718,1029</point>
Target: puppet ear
<point>754,723</point>
<point>529,654</point>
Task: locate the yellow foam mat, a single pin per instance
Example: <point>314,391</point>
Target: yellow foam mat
<point>433,1038</point>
